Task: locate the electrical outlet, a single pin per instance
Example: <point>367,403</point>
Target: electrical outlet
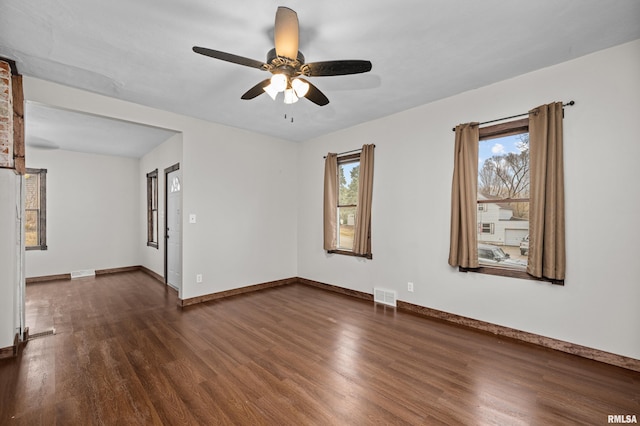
<point>199,278</point>
<point>410,286</point>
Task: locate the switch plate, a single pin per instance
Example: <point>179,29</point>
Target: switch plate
<point>192,218</point>
<point>199,278</point>
<point>410,286</point>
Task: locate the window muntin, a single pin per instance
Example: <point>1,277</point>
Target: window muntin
<point>503,195</point>
<point>35,203</point>
<point>348,180</point>
<point>152,209</point>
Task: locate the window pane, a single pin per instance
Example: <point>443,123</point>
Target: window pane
<point>346,227</point>
<point>503,234</point>
<point>175,185</point>
<point>503,228</point>
<point>348,177</point>
<point>154,193</point>
<point>32,195</point>
<point>503,167</point>
<point>31,228</point>
<point>155,227</point>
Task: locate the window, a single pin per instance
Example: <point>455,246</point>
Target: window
<point>487,228</point>
<point>509,181</point>
<point>348,195</point>
<point>35,204</point>
<point>503,194</point>
<point>348,179</point>
<point>152,208</point>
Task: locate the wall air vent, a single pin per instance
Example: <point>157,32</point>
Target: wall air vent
<point>83,273</point>
<point>384,296</point>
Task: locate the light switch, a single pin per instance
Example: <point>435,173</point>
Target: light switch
<point>192,218</point>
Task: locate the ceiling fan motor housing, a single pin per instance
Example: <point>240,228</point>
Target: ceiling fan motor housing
<point>285,65</point>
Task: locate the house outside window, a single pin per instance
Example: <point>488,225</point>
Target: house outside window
<point>35,221</point>
<point>152,209</point>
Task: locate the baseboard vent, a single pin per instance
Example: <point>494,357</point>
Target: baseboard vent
<point>384,296</point>
<point>83,273</point>
<point>42,334</point>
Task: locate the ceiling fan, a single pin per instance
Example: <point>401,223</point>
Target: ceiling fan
<point>287,65</point>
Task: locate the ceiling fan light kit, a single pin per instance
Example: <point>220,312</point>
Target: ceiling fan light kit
<point>287,72</point>
<point>300,86</point>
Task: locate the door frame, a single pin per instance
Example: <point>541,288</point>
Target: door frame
<point>166,216</point>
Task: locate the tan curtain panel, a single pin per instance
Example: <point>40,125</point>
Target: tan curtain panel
<point>330,201</point>
<point>463,248</point>
<point>362,237</point>
<point>546,217</point>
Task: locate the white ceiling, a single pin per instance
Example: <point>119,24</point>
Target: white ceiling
<point>55,128</point>
<point>421,50</point>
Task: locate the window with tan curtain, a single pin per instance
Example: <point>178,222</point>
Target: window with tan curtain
<point>348,190</point>
<point>545,247</point>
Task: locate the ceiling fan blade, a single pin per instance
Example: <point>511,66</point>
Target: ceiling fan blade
<point>240,60</point>
<point>285,35</point>
<point>315,95</point>
<point>328,68</point>
<point>256,90</point>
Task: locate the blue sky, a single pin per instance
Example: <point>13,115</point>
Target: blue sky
<point>347,170</point>
<point>498,146</point>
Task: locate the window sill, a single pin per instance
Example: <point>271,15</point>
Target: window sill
<point>350,253</point>
<point>154,245</point>
<point>42,247</point>
<point>512,273</point>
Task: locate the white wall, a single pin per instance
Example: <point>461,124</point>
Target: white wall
<point>598,306</point>
<point>9,277</point>
<point>241,185</point>
<point>243,189</point>
<point>161,158</point>
<point>92,212</point>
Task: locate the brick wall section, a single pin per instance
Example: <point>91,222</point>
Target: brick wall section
<point>6,116</point>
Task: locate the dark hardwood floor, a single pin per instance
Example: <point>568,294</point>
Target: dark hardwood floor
<point>124,353</point>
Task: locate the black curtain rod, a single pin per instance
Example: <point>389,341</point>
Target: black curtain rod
<point>347,152</point>
<point>570,103</point>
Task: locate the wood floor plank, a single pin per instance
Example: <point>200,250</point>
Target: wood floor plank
<point>124,353</point>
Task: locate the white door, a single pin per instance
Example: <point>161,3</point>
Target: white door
<point>174,228</point>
